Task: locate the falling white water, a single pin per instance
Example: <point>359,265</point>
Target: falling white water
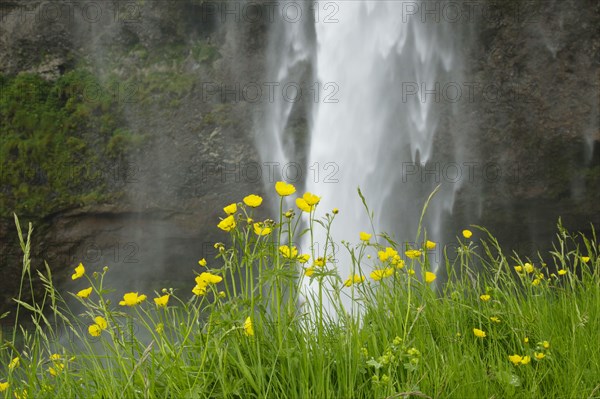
<point>386,62</point>
<point>289,51</point>
<point>377,64</point>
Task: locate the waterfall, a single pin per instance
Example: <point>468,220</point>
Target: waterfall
<point>290,55</point>
<point>386,61</point>
<point>379,65</point>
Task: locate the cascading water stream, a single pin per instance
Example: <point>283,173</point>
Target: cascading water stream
<point>380,126</point>
<point>289,51</point>
<point>385,61</point>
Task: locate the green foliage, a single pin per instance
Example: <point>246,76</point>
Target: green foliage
<point>242,331</point>
<point>47,129</point>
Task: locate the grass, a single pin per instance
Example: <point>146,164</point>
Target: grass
<point>239,332</point>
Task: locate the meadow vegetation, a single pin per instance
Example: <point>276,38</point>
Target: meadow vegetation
<point>500,326</point>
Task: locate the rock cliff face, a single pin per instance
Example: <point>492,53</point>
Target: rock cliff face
<point>181,147</point>
<point>534,121</point>
<point>182,144</point>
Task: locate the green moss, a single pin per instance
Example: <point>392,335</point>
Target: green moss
<point>205,53</point>
<point>124,140</point>
<point>46,130</point>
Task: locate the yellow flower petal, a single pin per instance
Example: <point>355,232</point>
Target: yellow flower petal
<point>101,322</point>
<point>85,293</point>
<point>14,363</point>
<point>303,205</point>
<point>429,277</point>
<point>253,200</point>
<point>230,209</point>
<point>467,233</point>
<point>479,333</point>
<point>79,272</point>
<point>94,330</point>
<point>227,224</point>
<point>162,301</point>
<point>284,189</point>
<point>413,253</point>
<point>311,199</point>
<point>132,299</point>
<point>248,327</point>
<point>261,230</point>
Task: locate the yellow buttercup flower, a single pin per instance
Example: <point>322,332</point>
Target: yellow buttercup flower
<point>320,262</point>
<point>79,272</point>
<point>528,267</point>
<point>288,252</point>
<point>85,293</point>
<point>208,278</point>
<point>525,360</point>
<point>284,189</point>
<point>485,297</point>
<point>230,209</point>
<point>467,233</point>
<point>162,301</point>
<point>546,345</point>
<point>381,273</point>
<point>309,271</point>
<point>562,272</point>
<point>56,370</point>
<point>413,253</point>
<point>495,319</point>
<point>411,272</point>
<point>356,279</point>
<point>429,277</point>
<point>4,386</point>
<point>132,299</point>
<point>94,330</point>
<point>14,363</point>
<point>253,200</point>
<point>364,236</point>
<point>519,269</point>
<point>515,359</point>
<point>430,245</point>
<point>311,199</point>
<point>539,356</point>
<point>303,258</point>
<point>388,253</point>
<point>526,340</point>
<point>303,205</point>
<point>335,211</point>
<point>202,282</point>
<point>585,259</point>
<point>199,290</point>
<point>227,224</point>
<point>397,261</point>
<point>261,230</point>
<point>479,333</point>
<point>202,262</point>
<point>536,281</point>
<point>101,322</point>
<point>248,327</point>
